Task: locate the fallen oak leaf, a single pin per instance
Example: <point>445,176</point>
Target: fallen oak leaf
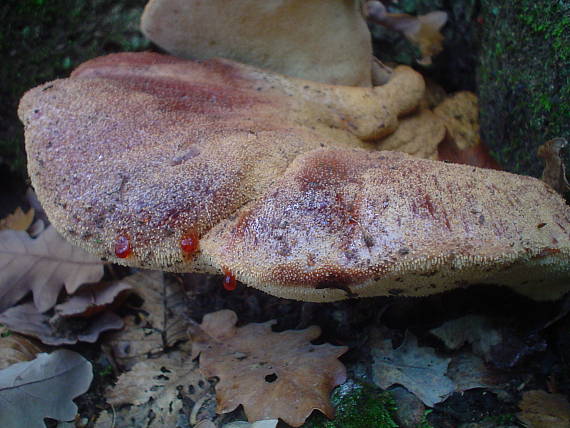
<point>43,388</point>
<point>416,368</point>
<point>273,375</point>
<point>160,322</point>
<point>54,331</point>
<point>153,392</point>
<point>476,330</point>
<point>18,220</point>
<point>42,265</point>
<point>93,298</point>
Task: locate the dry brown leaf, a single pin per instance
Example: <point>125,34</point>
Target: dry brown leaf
<point>423,31</point>
<point>156,389</point>
<point>159,323</point>
<point>18,220</point>
<point>42,265</point>
<point>273,375</point>
<point>554,173</point>
<point>54,331</point>
<point>15,349</point>
<point>539,409</point>
<point>93,298</point>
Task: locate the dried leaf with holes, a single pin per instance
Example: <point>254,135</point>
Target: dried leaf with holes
<point>273,375</point>
<point>42,265</point>
<point>180,171</point>
<point>18,220</point>
<point>159,323</point>
<point>321,40</point>
<point>152,393</point>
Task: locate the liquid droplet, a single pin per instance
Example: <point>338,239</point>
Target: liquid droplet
<point>189,243</point>
<point>229,282</point>
<point>123,247</point>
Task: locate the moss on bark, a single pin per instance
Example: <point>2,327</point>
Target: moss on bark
<point>42,40</point>
<point>524,79</point>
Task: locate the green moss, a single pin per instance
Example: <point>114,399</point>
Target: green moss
<point>358,405</point>
<point>424,422</point>
<point>524,79</point>
<point>506,419</point>
<point>42,40</point>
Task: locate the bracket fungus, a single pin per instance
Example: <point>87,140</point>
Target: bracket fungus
<point>319,40</point>
<point>154,161</point>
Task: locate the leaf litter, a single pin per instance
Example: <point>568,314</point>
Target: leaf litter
<point>43,388</point>
<point>157,325</point>
<point>42,265</point>
<point>273,375</point>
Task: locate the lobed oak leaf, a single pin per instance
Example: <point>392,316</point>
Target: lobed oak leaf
<point>156,389</point>
<point>26,319</point>
<point>476,330</point>
<point>18,220</point>
<point>93,298</point>
<point>273,375</point>
<point>42,265</point>
<point>159,323</point>
<point>43,388</point>
<point>416,368</point>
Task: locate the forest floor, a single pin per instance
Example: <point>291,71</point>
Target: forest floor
<point>500,360</point>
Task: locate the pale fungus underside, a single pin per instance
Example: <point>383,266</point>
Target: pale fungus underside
<point>320,40</point>
<point>136,157</point>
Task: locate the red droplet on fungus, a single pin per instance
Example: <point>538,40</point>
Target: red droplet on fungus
<point>229,282</point>
<point>189,243</point>
<point>123,246</point>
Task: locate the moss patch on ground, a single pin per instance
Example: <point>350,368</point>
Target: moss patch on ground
<point>524,79</point>
<point>42,40</point>
<point>358,405</point>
